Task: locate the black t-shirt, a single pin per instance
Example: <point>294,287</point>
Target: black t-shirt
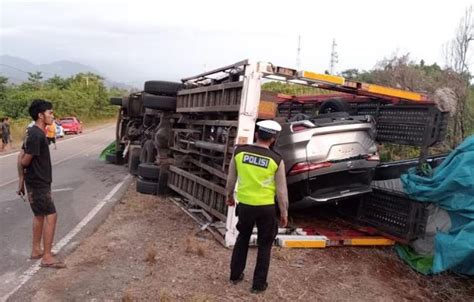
<point>38,173</point>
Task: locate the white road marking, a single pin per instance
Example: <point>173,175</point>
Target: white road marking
<point>62,190</point>
<point>10,154</point>
<point>60,161</point>
<point>58,246</point>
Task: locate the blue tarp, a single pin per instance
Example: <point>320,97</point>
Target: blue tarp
<point>451,187</point>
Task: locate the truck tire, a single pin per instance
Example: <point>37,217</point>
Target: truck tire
<point>149,171</point>
<point>146,186</point>
<point>334,106</point>
<point>148,153</point>
<point>116,101</point>
<point>159,102</point>
<point>162,87</point>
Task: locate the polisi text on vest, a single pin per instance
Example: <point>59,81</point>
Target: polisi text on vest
<point>255,160</point>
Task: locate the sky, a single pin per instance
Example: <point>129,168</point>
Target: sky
<point>134,41</point>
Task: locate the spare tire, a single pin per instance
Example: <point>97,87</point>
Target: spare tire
<point>149,171</point>
<point>162,87</point>
<point>116,101</point>
<point>146,186</point>
<point>159,102</point>
<point>334,106</point>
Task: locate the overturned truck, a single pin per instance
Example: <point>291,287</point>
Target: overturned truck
<point>181,136</point>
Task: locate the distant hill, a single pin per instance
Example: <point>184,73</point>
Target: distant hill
<point>16,70</point>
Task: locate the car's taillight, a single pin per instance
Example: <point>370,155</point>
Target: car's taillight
<point>373,157</point>
<point>297,128</point>
<point>306,166</point>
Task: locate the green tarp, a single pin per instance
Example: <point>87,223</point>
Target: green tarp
<point>110,149</point>
<point>420,263</point>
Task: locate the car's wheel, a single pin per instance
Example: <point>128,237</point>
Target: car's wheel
<point>159,102</point>
<point>146,186</point>
<point>111,158</point>
<point>162,87</point>
<point>116,101</point>
<point>148,152</point>
<point>334,106</point>
<point>149,171</point>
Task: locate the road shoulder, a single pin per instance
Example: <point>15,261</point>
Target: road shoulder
<point>148,249</point>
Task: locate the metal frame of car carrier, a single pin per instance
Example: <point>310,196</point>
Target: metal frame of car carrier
<point>219,108</point>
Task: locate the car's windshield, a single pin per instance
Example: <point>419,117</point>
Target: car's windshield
<point>67,121</point>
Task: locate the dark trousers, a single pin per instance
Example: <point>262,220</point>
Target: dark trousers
<point>267,227</point>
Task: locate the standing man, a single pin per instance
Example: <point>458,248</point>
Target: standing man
<point>51,134</point>
<point>1,135</point>
<point>34,170</point>
<point>260,175</point>
<point>5,133</point>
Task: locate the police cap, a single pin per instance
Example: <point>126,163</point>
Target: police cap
<point>269,126</point>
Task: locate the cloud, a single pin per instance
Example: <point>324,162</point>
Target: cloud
<point>130,40</point>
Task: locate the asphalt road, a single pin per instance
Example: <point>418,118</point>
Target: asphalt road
<point>84,190</point>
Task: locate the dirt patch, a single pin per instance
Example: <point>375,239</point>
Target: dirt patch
<point>148,249</point>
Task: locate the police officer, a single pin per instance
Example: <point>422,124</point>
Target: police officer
<point>260,175</point>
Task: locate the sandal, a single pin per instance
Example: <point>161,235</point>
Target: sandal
<point>58,265</point>
<point>40,256</point>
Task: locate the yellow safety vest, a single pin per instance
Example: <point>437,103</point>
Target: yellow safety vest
<point>256,167</point>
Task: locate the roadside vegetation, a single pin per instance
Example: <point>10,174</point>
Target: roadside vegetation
<point>83,95</point>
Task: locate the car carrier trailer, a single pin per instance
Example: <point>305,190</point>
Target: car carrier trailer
<point>189,131</point>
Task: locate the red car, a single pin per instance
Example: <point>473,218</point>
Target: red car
<point>71,125</point>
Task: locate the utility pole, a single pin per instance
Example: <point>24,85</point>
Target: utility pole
<point>298,54</point>
<point>334,57</point>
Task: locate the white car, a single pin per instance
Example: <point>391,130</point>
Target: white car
<point>59,130</point>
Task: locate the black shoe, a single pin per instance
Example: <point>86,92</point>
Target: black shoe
<point>258,289</point>
<point>236,281</point>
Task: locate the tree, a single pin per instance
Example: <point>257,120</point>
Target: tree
<point>350,74</point>
<point>34,80</point>
<point>457,53</point>
<point>57,82</point>
<point>3,87</point>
